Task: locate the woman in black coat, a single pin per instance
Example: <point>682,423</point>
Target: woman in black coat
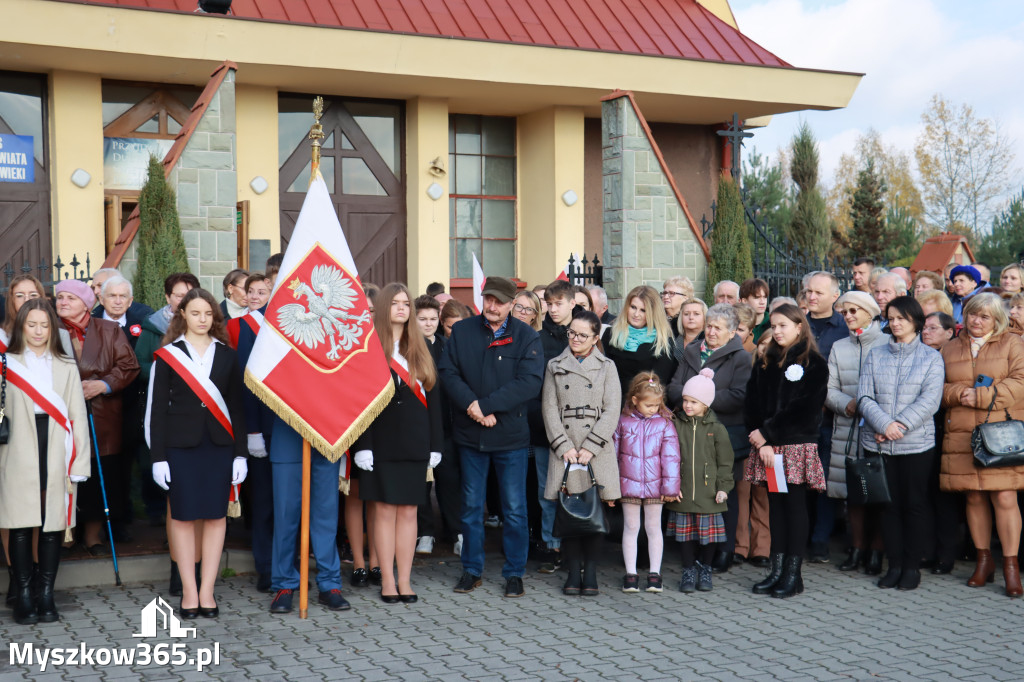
<point>400,445</point>
<point>783,412</point>
<point>640,340</point>
<point>193,414</point>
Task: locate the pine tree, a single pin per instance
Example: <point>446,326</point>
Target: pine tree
<point>810,231</point>
<point>867,236</point>
<point>730,246</point>
<point>161,248</point>
<point>1006,243</point>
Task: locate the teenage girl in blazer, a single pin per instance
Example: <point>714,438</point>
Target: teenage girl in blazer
<point>194,456</point>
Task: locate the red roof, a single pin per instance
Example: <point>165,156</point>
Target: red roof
<point>661,28</point>
<point>939,251</point>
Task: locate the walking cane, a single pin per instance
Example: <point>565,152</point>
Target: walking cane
<point>103,490</point>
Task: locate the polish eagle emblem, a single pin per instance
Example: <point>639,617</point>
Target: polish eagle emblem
<point>329,295</point>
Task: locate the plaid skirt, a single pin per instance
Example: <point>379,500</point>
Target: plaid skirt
<point>801,463</point>
<point>641,501</point>
<point>704,528</point>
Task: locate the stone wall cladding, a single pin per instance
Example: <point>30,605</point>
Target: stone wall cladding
<point>646,234</point>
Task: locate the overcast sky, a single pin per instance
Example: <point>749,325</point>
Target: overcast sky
<point>969,51</point>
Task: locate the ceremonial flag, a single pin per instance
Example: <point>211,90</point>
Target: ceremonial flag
<point>777,476</point>
<point>318,362</point>
<point>478,286</point>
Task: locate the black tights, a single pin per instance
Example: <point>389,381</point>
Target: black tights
<point>691,551</point>
<point>582,553</point>
<point>787,515</point>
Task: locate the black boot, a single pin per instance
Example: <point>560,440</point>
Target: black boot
<point>874,565</point>
<point>853,560</point>
<point>892,577</point>
<point>766,585</point>
<point>589,587</point>
<point>11,589</point>
<point>36,581</point>
<point>49,562</point>
<point>175,587</point>
<point>791,581</point>
<point>21,561</point>
<point>574,581</point>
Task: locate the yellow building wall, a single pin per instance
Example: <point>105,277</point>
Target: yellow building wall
<point>426,124</point>
<point>76,141</point>
<point>256,154</point>
<point>550,157</point>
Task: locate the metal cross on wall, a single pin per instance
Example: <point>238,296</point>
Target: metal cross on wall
<point>735,134</point>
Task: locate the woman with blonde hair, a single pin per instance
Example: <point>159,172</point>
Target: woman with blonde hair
<point>984,381</point>
<point>926,280</point>
<point>674,292</point>
<point>935,301</point>
<point>405,440</point>
<point>691,321</point>
<point>527,308</point>
<point>1011,279</point>
<point>640,339</point>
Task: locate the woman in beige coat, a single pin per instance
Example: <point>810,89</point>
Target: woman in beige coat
<point>38,476</point>
<point>580,405</point>
<point>984,349</point>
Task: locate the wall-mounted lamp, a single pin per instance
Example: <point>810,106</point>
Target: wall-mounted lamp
<point>569,197</point>
<point>80,177</point>
<point>435,191</point>
<point>259,184</point>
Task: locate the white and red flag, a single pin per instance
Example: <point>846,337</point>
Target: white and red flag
<point>564,274</point>
<point>777,476</point>
<point>478,286</point>
<point>317,361</point>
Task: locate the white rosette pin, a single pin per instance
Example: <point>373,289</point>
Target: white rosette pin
<point>794,372</point>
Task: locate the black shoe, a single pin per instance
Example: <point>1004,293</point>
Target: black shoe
<point>390,598</point>
<point>768,584</point>
<point>928,563</point>
<point>187,614</point>
<point>211,612</point>
<point>654,583</point>
<point>20,555</point>
<point>333,600</point>
<point>359,578</point>
<point>721,562</point>
<point>553,565</point>
<point>874,564</point>
<point>98,550</point>
<point>345,552</point>
<point>514,587</point>
<point>467,583</point>
<point>892,578</point>
<point>282,602</point>
<point>703,577</point>
<point>688,583</point>
<point>573,583</point>
<point>738,559</point>
<point>263,583</point>
<point>942,568</point>
<point>791,582</point>
<point>910,579</point>
<point>175,586</point>
<point>49,561</point>
<point>631,582</point>
<point>854,558</point>
<point>818,553</point>
<point>408,598</point>
<point>759,562</point>
<point>374,576</point>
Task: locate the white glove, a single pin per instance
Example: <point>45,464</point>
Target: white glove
<point>239,470</point>
<point>79,479</point>
<point>435,459</point>
<point>162,474</point>
<point>364,460</point>
<point>257,446</point>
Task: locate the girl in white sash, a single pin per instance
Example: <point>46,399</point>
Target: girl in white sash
<point>46,457</point>
<point>195,403</point>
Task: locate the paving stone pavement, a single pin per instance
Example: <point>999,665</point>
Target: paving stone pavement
<point>841,628</point>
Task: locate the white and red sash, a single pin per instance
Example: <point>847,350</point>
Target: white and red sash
<point>399,365</point>
<point>3,341</point>
<point>54,406</point>
<point>254,319</point>
<point>185,367</point>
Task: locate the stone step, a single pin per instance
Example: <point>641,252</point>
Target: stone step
<point>149,568</point>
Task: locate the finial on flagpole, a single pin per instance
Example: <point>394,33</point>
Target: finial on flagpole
<point>316,133</point>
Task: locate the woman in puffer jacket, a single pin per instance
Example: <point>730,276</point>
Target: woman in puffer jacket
<point>900,390</point>
<point>844,365</point>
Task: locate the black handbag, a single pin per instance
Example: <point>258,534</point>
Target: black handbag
<point>999,444</point>
<point>5,421</point>
<point>866,482</point>
<point>580,514</point>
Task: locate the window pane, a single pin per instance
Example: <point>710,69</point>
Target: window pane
<point>467,134</point>
<point>301,183</point>
<point>21,107</point>
<point>383,135</point>
<point>451,220</point>
<point>453,264</point>
<point>467,174</point>
<point>499,219</point>
<point>467,217</point>
<point>329,142</point>
<point>499,258</point>
<point>173,127</point>
<point>465,248</point>
<point>499,135</point>
<point>357,178</point>
<point>499,176</point>
<point>345,144</point>
<point>150,126</point>
<point>451,136</point>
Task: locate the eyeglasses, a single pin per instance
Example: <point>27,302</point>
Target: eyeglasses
<point>22,296</point>
<point>578,336</point>
<point>850,312</point>
<point>523,309</point>
<point>671,293</point>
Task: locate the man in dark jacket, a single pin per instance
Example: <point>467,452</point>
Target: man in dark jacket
<point>827,326</point>
<point>117,304</point>
<point>492,365</point>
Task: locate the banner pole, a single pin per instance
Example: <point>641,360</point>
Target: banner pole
<point>304,534</point>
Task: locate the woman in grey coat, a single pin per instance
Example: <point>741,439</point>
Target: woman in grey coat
<point>844,365</point>
<point>900,391</point>
<point>580,404</point>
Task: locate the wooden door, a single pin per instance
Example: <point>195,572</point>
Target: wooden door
<point>368,192</point>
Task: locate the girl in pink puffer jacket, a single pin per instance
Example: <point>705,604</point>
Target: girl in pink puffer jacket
<point>648,452</point>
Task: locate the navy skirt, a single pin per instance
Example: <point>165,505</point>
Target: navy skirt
<point>395,483</point>
<point>200,480</point>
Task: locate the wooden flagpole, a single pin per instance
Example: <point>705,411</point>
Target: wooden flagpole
<point>316,134</point>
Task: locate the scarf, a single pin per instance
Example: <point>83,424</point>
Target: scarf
<point>77,328</point>
<point>235,310</point>
<point>705,353</point>
<point>977,343</point>
<point>638,337</point>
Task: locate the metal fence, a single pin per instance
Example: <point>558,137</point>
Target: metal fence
<point>47,273</point>
<point>585,272</point>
